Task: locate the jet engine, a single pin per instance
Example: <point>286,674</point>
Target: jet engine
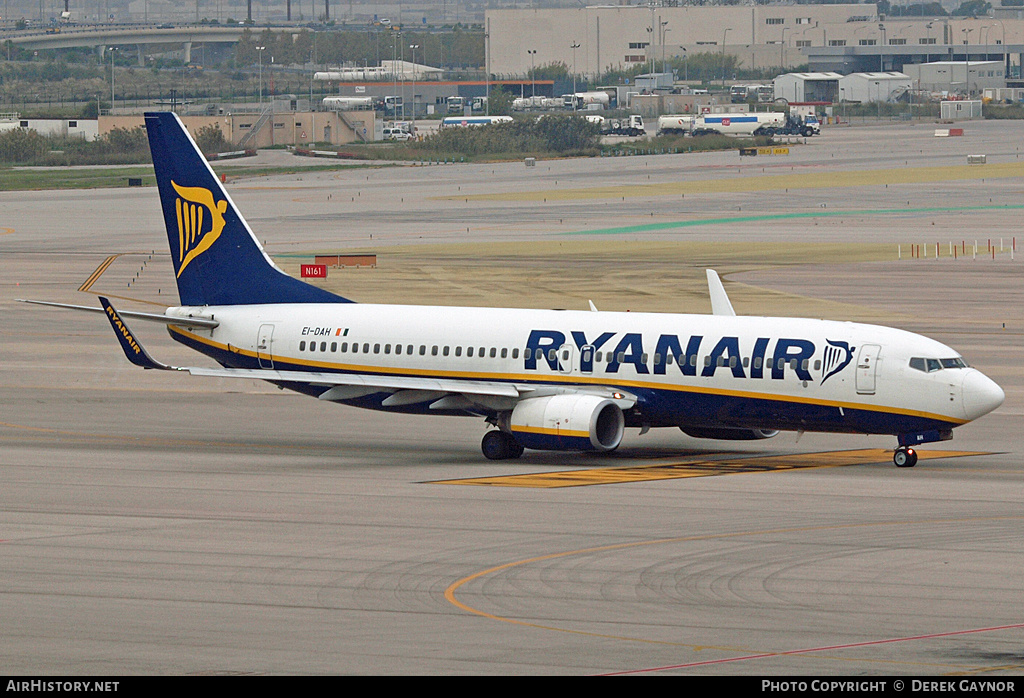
<point>569,422</point>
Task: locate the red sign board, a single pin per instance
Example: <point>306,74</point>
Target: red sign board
<point>314,271</point>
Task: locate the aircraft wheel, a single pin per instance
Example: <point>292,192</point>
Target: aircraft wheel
<point>497,445</point>
<point>905,458</point>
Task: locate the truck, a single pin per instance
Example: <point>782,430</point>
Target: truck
<point>797,125</point>
<point>594,100</point>
<point>675,124</point>
<point>740,124</point>
<point>454,121</point>
<point>632,125</point>
<point>456,105</point>
<point>347,103</point>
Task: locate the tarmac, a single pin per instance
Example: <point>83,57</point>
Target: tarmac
<point>156,524</point>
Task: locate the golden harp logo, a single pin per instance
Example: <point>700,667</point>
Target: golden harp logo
<point>192,206</point>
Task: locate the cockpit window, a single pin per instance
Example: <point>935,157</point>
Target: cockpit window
<point>931,365</point>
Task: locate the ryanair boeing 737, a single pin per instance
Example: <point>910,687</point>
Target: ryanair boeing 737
<point>544,379</point>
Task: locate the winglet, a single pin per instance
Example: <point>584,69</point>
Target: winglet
<point>132,349</point>
<point>720,304</point>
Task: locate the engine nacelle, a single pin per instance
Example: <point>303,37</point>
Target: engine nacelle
<point>727,434</point>
<point>570,422</point>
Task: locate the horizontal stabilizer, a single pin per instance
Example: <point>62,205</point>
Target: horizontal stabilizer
<point>134,315</point>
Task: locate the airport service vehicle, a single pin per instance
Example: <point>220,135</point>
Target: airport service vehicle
<point>587,100</point>
<point>543,379</point>
<point>740,124</point>
<point>632,125</point>
<point>676,124</point>
<point>449,121</point>
<point>347,103</point>
<point>456,105</point>
<point>394,133</point>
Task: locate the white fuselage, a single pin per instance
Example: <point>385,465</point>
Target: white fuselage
<point>704,370</point>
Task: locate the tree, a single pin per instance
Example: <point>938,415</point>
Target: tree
<point>972,8</point>
<point>500,102</point>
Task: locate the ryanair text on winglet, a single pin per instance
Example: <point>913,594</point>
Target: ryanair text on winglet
<point>124,330</point>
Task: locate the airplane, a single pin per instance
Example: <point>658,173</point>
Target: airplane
<point>557,380</point>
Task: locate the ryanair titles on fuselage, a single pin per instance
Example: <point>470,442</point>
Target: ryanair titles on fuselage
<point>768,358</point>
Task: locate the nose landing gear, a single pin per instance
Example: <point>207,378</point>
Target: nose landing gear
<point>905,457</point>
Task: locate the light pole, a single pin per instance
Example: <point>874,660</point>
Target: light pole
<point>928,40</point>
<point>967,59</point>
<point>413,47</point>
<point>259,52</point>
<point>533,75</point>
<point>881,48</point>
<point>782,48</point>
<point>723,55</point>
<point>574,46</point>
<point>664,31</point>
<point>487,71</point>
<point>686,66</point>
<point>112,49</point>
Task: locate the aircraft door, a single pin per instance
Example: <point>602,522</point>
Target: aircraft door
<point>587,358</point>
<point>565,358</point>
<point>264,346</point>
<point>867,363</point>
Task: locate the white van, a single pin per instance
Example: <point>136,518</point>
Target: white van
<point>396,134</point>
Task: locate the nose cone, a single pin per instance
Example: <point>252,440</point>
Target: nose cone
<point>981,394</point>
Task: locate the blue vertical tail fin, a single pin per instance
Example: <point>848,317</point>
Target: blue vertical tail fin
<point>217,260</point>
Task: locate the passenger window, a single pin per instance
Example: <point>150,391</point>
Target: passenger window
<point>423,349</point>
<point>387,348</point>
<point>433,350</point>
<point>366,348</point>
<point>408,350</point>
<point>458,351</point>
<point>758,361</point>
<point>398,349</point>
<point>622,356</point>
<point>376,348</point>
<point>494,352</point>
<point>302,346</point>
<point>515,352</point>
<point>323,346</point>
<point>355,348</point>
<point>444,351</point>
<point>552,355</point>
<point>643,358</point>
<point>469,352</point>
<point>334,347</point>
<point>504,353</point>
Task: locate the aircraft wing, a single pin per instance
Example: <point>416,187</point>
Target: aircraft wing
<point>443,393</point>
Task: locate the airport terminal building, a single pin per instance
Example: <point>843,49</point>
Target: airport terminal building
<point>827,38</point>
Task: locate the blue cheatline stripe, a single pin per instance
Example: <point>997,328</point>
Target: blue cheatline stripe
<point>671,225</point>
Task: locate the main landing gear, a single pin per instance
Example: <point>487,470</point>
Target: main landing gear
<point>905,457</point>
<point>497,445</point>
